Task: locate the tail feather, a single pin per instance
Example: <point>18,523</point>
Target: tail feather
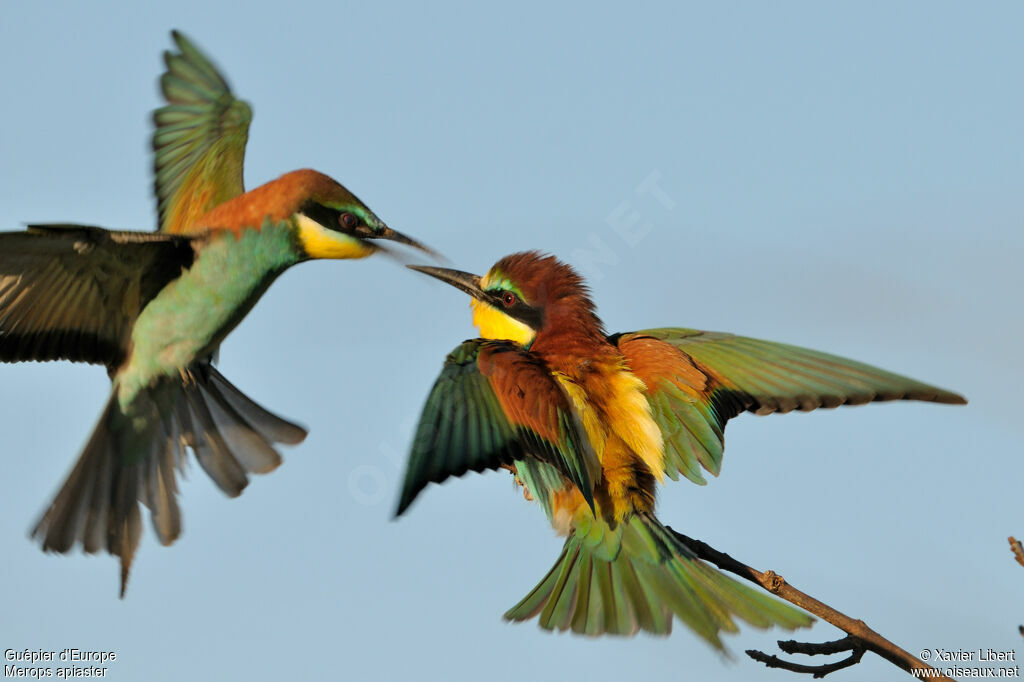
<point>254,453</point>
<point>652,578</point>
<point>161,491</point>
<point>269,425</point>
<point>131,458</point>
<point>214,456</point>
<point>77,510</point>
<point>651,614</point>
<point>95,519</point>
<point>561,602</point>
<point>125,529</point>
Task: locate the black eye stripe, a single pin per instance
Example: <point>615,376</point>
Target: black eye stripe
<point>329,217</point>
<point>519,309</point>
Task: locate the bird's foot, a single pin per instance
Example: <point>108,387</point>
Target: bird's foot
<point>527,495</point>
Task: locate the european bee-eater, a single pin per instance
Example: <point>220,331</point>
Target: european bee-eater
<point>153,308</point>
<point>590,423</point>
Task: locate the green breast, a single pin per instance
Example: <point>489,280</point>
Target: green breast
<point>193,314</point>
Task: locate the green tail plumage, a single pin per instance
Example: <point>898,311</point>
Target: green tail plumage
<point>131,458</point>
<point>637,577</point>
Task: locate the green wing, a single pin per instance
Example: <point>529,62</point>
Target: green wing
<point>493,404</point>
<point>697,381</point>
<point>199,141</point>
<point>72,292</point>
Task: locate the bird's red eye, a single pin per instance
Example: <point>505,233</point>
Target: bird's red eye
<point>509,299</point>
<point>349,221</point>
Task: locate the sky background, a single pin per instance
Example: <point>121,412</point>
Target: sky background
<point>846,178</point>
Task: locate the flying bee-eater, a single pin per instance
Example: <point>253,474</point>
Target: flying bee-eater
<point>154,307</point>
<point>590,423</point>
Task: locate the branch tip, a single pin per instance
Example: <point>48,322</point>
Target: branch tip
<point>1018,550</point>
<point>860,637</point>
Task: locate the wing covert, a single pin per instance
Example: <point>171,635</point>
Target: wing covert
<point>698,380</point>
<point>493,404</point>
<point>72,292</point>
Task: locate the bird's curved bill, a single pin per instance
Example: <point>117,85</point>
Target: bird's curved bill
<point>465,281</point>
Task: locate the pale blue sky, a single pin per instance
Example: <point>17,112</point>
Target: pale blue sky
<point>846,178</point>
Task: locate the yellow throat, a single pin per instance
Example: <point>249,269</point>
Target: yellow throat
<point>494,324</point>
<point>319,242</point>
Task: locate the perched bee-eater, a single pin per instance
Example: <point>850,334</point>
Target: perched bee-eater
<point>590,423</point>
<point>154,307</point>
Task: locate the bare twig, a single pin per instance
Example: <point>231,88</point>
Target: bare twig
<point>848,643</point>
<point>791,646</point>
<point>858,631</point>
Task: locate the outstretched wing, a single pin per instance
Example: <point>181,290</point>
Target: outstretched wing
<point>697,381</point>
<point>199,141</point>
<point>71,292</point>
<point>495,403</point>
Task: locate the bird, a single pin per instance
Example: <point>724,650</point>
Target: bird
<point>154,307</point>
<point>590,423</point>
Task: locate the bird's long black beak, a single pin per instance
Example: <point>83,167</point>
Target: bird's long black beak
<point>385,232</point>
<point>457,278</point>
